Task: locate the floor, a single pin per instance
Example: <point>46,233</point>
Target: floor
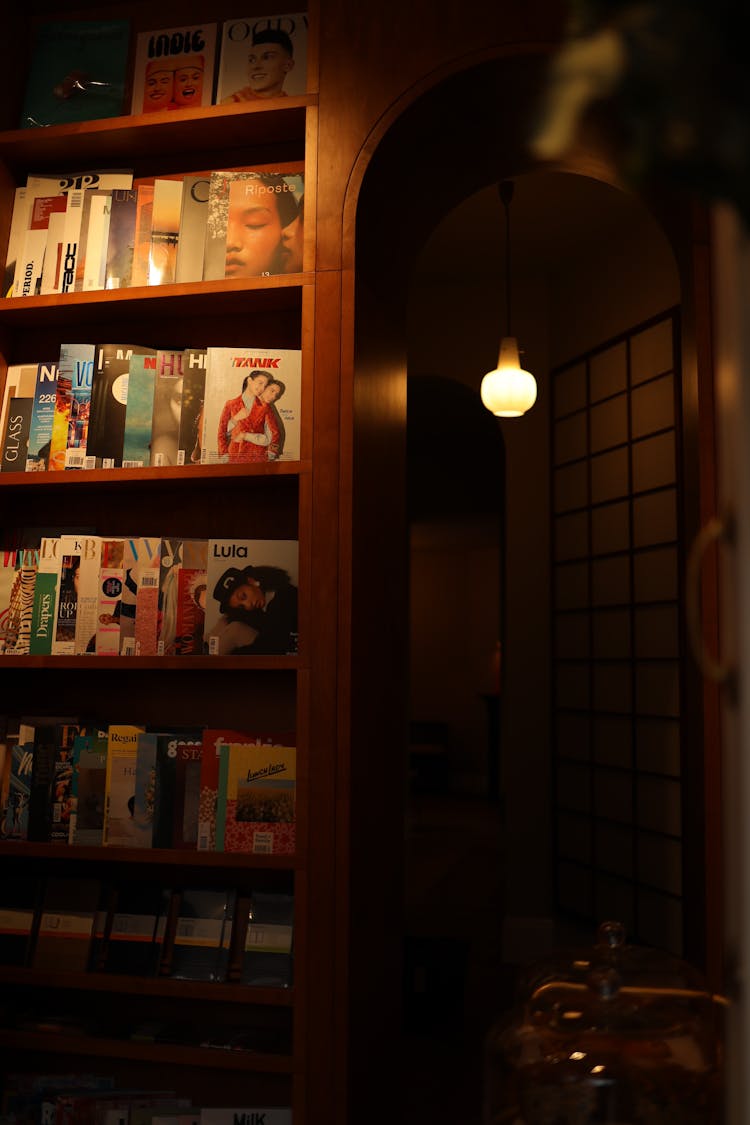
<point>456,985</point>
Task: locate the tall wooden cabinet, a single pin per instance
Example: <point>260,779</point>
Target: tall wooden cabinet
<point>273,500</point>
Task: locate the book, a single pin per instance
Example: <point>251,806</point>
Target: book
<point>175,553</point>
<point>176,779</point>
<point>30,266</point>
<point>16,631</point>
<point>255,810</point>
<point>142,241</point>
<point>262,57</point>
<point>42,416</point>
<point>77,72</point>
<point>167,407</point>
<point>14,824</point>
<point>248,211</point>
<point>136,446</point>
<point>110,589</point>
<point>109,396</point>
<point>147,597</point>
<point>267,952</point>
<point>88,788</point>
<point>44,606</point>
<point>66,924</point>
<point>174,68</point>
<point>87,549</point>
<point>121,238</point>
<point>136,933</point>
<point>122,748</point>
<point>165,225</point>
<point>76,363</point>
<point>60,419</point>
<point>252,405</point>
<point>266,1115</point>
<point>191,241</point>
<point>251,596</point>
<point>190,437</point>
<point>203,934</point>
<point>19,895</point>
<point>16,436</point>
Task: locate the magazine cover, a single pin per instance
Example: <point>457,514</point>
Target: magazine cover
<point>43,612</point>
<point>191,602</point>
<point>132,549</point>
<point>144,209</point>
<point>192,235</point>
<point>139,409</point>
<point>174,68</point>
<point>147,597</point>
<point>16,631</point>
<point>262,57</point>
<point>75,234</point>
<point>110,588</point>
<point>165,420</point>
<point>42,416</point>
<point>88,788</point>
<point>14,824</point>
<point>189,441</point>
<point>251,602</point>
<point>16,238</point>
<point>16,435</point>
<point>30,266</point>
<point>8,559</point>
<point>122,747</point>
<point>120,241</point>
<point>77,72</point>
<point>175,553</point>
<point>59,439</point>
<point>88,550</point>
<point>61,789</point>
<point>177,785</point>
<point>165,226</point>
<point>203,935</point>
<point>252,228</point>
<point>255,810</point>
<point>252,405</point>
<point>77,364</point>
<point>63,640</point>
<point>109,396</point>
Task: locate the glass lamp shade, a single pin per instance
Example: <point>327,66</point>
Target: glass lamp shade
<point>508,391</point>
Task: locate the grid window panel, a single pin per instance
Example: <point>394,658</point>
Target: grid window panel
<point>574,837</point>
<point>655,518</point>
<point>575,890</point>
<point>610,581</point>
<point>660,921</point>
<point>612,741</point>
<point>660,863</point>
<point>572,536</point>
<point>570,438</point>
<point>572,636</point>
<point>608,372</point>
<point>654,464</point>
<point>572,686</point>
<point>574,787</point>
<point>570,389</point>
<point>610,528</point>
<point>571,487</point>
<point>613,687</point>
<point>572,586</point>
<point>659,804</point>
<point>615,902</point>
<point>657,689</point>
<point>574,737</point>
<point>657,632</point>
<point>609,424</point>
<point>609,476</point>
<point>613,796</point>
<point>614,848</point>
<point>611,634</point>
<point>655,575</point>
<point>652,407</point>
<point>658,746</point>
<point>651,352</point>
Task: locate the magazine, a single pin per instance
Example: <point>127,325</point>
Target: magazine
<point>174,68</point>
<point>251,596</point>
<point>262,57</point>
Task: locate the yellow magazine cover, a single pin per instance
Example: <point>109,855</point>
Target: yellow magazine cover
<point>119,805</point>
<point>256,806</point>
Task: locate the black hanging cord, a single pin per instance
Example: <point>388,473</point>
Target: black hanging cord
<point>505,191</point>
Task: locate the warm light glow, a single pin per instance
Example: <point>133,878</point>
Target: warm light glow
<point>509,391</point>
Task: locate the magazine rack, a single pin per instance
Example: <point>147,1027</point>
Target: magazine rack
<point>267,1027</point>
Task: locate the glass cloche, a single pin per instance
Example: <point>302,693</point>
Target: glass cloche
<point>617,1034</point>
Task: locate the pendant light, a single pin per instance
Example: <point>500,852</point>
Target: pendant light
<point>508,391</point>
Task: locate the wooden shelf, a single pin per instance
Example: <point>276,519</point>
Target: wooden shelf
<point>155,663</point>
<point>193,134</point>
<point>26,849</point>
<point>212,1058</point>
<point>126,478</point>
<point>280,293</point>
<point>150,986</point>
